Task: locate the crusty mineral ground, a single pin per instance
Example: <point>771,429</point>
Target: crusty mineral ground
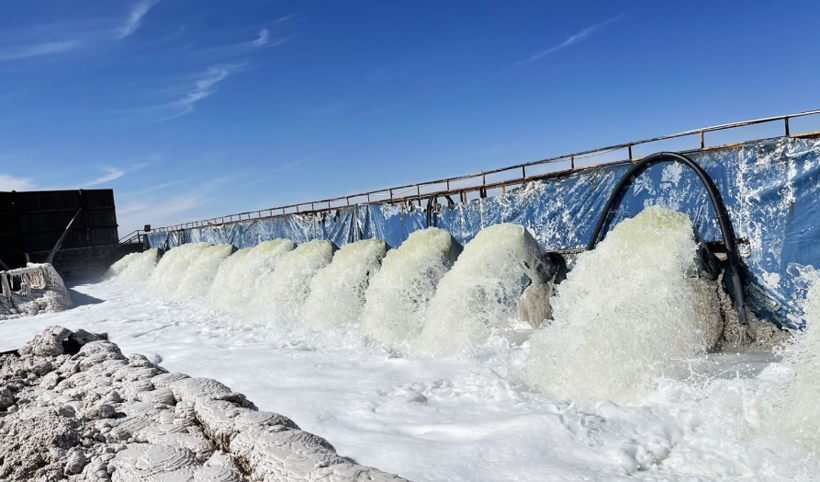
<point>73,407</point>
<point>41,290</point>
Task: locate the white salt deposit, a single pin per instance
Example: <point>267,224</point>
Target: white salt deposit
<point>396,300</point>
<point>479,296</point>
<point>239,275</point>
<point>337,293</point>
<point>628,312</point>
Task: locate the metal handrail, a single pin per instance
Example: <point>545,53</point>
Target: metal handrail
<point>132,237</point>
<point>415,190</point>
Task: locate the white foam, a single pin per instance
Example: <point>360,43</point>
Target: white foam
<point>625,315</point>
<point>195,281</point>
<point>238,277</point>
<point>165,278</point>
<point>337,293</point>
<point>280,294</point>
<point>479,296</point>
<point>795,408</point>
<point>397,297</point>
<point>135,266</point>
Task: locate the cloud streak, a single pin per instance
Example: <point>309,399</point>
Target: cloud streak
<point>134,20</point>
<point>262,39</point>
<point>11,183</point>
<point>578,37</point>
<point>113,173</point>
<point>38,50</point>
<point>204,88</point>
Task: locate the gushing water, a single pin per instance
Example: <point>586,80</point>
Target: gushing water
<point>281,293</point>
<point>135,266</point>
<point>396,300</point>
<point>196,280</point>
<point>165,278</point>
<point>625,315</point>
<point>795,406</point>
<point>237,278</point>
<point>478,297</point>
<point>337,293</point>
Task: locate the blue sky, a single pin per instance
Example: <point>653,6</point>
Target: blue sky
<point>195,108</point>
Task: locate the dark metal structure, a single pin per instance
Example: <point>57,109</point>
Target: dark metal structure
<point>733,268</point>
<point>34,221</point>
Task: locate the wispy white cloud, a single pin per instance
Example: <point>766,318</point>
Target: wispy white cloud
<point>134,21</point>
<point>262,39</point>
<point>204,87</point>
<point>38,50</point>
<point>578,37</point>
<point>285,18</point>
<point>11,183</point>
<point>113,173</point>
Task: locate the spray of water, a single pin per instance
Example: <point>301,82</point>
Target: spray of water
<point>625,316</point>
<point>337,293</point>
<point>281,294</point>
<point>396,300</point>
<point>165,278</point>
<point>135,266</point>
<point>478,297</point>
<point>196,280</point>
<point>237,278</point>
<point>795,412</point>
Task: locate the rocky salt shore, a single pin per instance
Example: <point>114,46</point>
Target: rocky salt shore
<point>73,407</point>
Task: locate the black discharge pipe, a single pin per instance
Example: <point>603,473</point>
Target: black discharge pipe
<point>735,287</point>
<point>432,204</point>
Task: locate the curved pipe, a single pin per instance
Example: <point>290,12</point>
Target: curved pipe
<point>726,228</point>
<point>432,203</point>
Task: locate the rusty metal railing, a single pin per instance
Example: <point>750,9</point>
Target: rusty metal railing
<point>410,193</point>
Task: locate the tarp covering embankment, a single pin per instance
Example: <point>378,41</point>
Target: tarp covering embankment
<point>771,189</point>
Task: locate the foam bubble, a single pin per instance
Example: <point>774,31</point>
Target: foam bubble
<point>337,293</point>
<point>478,297</point>
<point>626,314</point>
<point>396,300</point>
<point>238,277</point>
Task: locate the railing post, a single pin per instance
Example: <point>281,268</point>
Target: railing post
<point>786,119</point>
<point>523,172</point>
<point>702,141</point>
<point>630,152</point>
<point>572,162</point>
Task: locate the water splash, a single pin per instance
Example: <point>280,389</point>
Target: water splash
<point>396,300</point>
<point>196,280</point>
<point>478,297</point>
<point>237,278</point>
<point>795,406</point>
<point>337,293</point>
<point>281,293</point>
<point>165,278</point>
<point>626,315</point>
<point>135,266</point>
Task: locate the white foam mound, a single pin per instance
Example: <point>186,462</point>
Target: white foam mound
<point>795,414</point>
<point>238,276</point>
<point>337,293</point>
<point>165,278</point>
<point>396,300</point>
<point>135,266</point>
<point>626,314</point>
<point>281,294</point>
<point>196,280</point>
<point>479,296</point>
